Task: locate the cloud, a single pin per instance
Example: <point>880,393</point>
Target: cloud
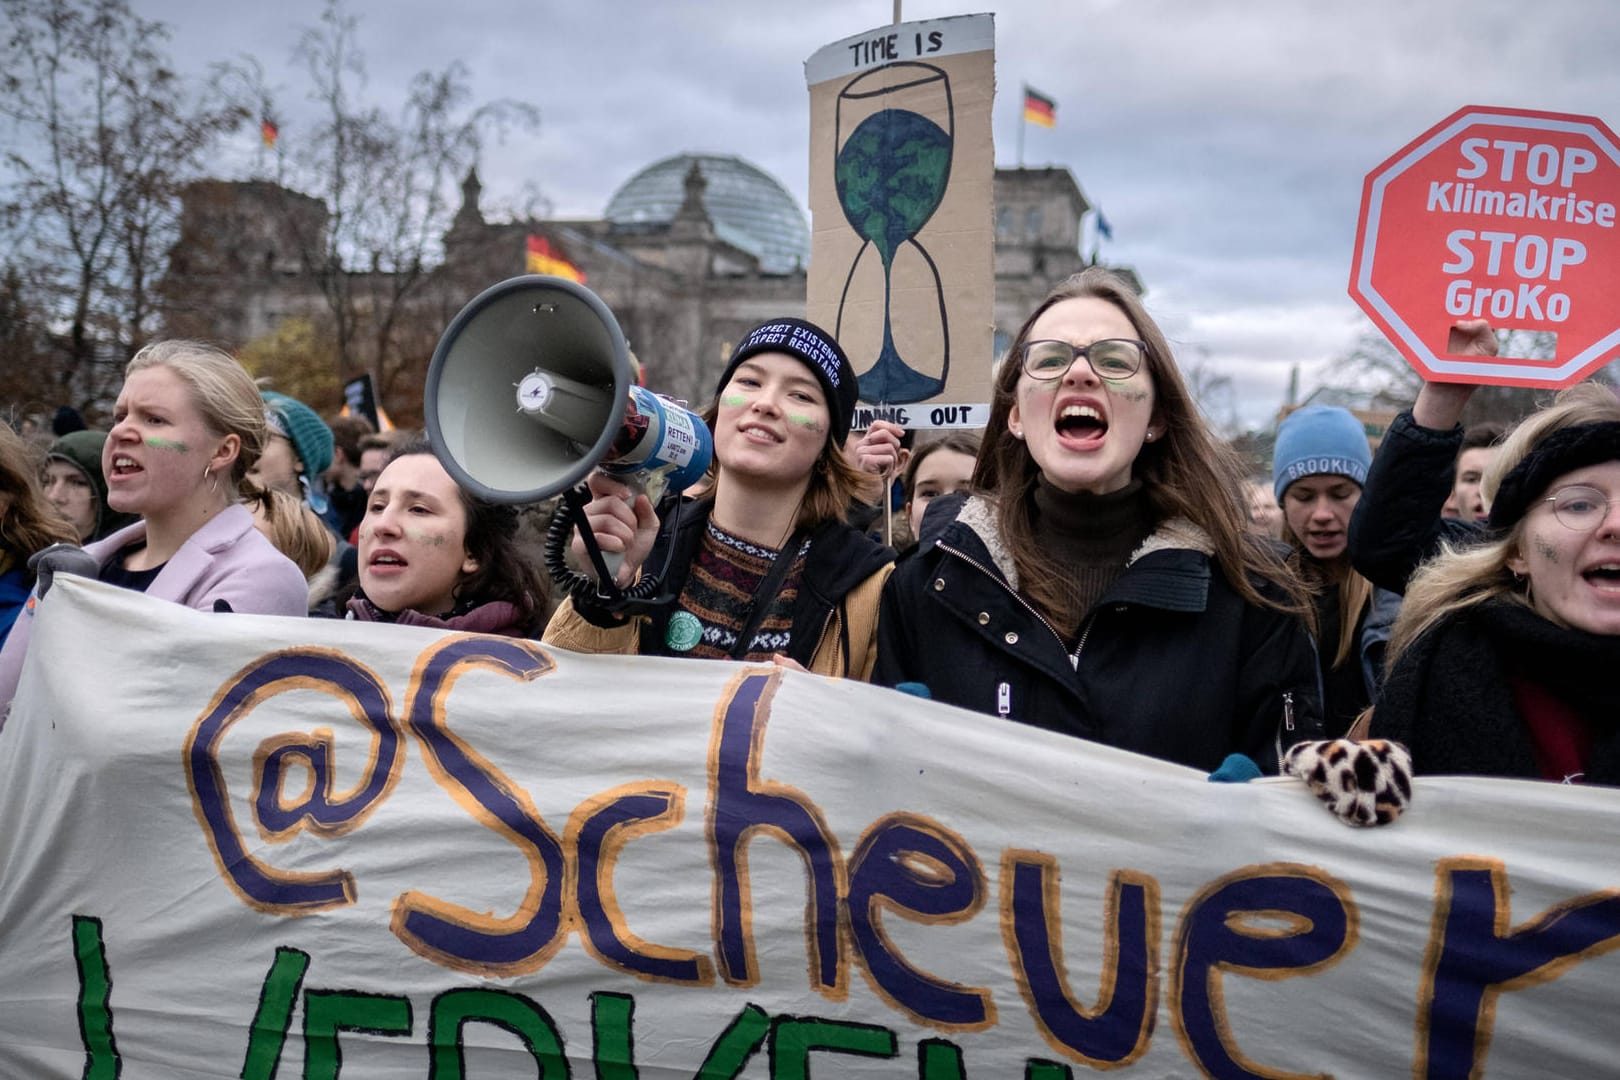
<point>1227,143</point>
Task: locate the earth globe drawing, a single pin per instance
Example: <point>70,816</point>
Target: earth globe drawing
<point>895,138</point>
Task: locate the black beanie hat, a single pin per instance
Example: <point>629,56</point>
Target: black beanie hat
<point>1565,450</point>
<point>817,350</point>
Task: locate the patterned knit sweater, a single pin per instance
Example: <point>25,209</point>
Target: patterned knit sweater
<point>718,598</point>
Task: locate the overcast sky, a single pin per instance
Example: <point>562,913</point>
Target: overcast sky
<point>1225,141</point>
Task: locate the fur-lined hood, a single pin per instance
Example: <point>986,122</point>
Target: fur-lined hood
<point>979,515</point>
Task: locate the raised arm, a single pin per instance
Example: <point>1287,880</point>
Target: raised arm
<point>1397,524</point>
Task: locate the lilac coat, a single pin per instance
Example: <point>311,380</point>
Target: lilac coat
<point>227,559</point>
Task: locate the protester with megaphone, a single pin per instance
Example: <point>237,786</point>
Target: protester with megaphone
<point>763,567</point>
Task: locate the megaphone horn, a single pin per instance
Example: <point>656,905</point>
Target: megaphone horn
<point>530,388</point>
<point>527,389</point>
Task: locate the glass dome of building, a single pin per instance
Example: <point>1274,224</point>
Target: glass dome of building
<point>749,207</point>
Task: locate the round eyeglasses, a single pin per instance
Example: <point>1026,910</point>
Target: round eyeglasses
<point>1579,507</point>
<point>1110,358</point>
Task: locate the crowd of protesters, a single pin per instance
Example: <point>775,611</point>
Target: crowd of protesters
<point>1095,561</point>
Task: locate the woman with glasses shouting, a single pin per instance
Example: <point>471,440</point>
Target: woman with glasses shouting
<point>1100,581</point>
<point>1502,661</point>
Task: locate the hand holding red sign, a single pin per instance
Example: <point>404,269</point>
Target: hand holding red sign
<point>1499,214</point>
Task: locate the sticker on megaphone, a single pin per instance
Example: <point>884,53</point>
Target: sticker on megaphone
<point>660,446</point>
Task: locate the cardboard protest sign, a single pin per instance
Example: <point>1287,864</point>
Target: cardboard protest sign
<point>1499,214</point>
<point>237,845</point>
<point>902,171</point>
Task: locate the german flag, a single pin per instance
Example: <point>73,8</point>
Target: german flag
<point>1039,109</point>
<point>546,258</point>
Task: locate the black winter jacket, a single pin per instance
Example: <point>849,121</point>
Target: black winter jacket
<point>1449,696</point>
<point>1171,662</point>
<point>1397,524</point>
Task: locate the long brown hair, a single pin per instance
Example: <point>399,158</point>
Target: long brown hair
<point>1355,591</point>
<point>30,523</point>
<point>1187,473</point>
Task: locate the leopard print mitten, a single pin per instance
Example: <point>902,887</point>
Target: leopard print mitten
<point>1367,782</point>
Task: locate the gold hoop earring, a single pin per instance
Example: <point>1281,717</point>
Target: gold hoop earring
<point>213,480</point>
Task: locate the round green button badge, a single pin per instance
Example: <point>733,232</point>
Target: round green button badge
<point>684,631</point>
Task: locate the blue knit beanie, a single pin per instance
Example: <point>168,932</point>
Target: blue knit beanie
<point>308,433</point>
<point>1319,440</point>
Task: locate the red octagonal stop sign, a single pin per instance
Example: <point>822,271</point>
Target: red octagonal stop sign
<point>1498,214</point>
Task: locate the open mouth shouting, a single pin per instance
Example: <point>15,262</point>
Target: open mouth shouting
<point>1080,425</point>
<point>124,466</point>
<point>1605,577</point>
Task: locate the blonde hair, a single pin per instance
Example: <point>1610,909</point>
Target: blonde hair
<point>223,392</point>
<point>1583,403</point>
<point>1187,473</point>
<point>1461,578</point>
<point>295,530</point>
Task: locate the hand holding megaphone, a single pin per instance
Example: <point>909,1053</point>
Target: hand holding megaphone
<point>624,523</point>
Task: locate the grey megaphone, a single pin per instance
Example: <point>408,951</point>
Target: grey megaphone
<point>527,389</point>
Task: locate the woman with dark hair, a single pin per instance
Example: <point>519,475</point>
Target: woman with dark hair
<point>433,554</point>
<point>1502,659</point>
<point>29,523</point>
<point>763,566</point>
<point>1104,584</point>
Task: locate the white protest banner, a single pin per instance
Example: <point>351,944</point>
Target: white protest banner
<point>901,188</point>
<point>242,846</point>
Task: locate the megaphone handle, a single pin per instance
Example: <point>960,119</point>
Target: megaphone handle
<point>606,564</point>
<point>636,486</point>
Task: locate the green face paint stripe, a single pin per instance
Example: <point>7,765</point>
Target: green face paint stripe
<point>424,538</point>
<point>809,422</point>
<point>167,444</point>
<point>733,400</point>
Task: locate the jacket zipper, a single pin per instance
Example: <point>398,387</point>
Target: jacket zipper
<point>1074,657</point>
<point>1288,726</point>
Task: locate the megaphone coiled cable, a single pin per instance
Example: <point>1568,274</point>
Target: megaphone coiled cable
<point>601,591</point>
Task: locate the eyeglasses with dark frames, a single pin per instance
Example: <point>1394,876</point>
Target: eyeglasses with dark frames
<point>1110,358</point>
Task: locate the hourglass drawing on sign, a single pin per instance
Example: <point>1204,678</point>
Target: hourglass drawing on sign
<point>892,166</point>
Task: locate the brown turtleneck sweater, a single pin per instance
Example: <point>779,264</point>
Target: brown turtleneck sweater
<point>1090,537</point>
